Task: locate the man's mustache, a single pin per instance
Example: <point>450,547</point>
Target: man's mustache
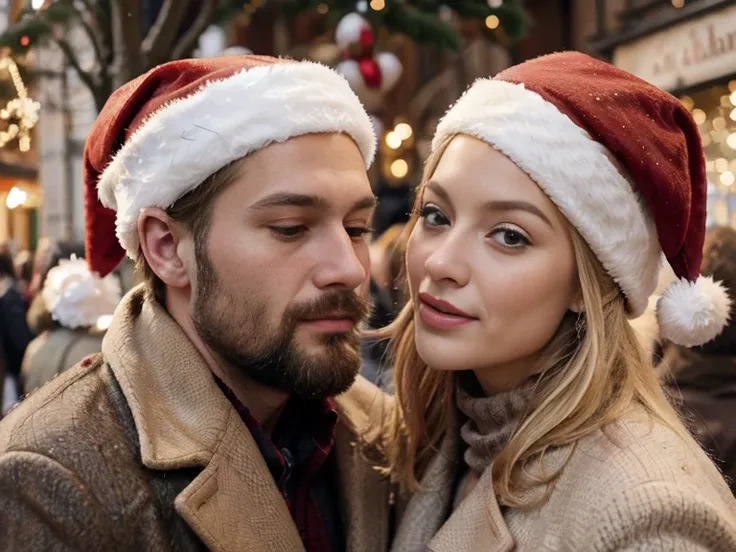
<point>346,304</point>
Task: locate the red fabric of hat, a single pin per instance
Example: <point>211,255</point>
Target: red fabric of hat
<point>647,130</point>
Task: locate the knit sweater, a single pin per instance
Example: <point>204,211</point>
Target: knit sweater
<point>638,486</point>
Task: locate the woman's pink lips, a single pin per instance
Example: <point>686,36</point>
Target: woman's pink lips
<point>439,320</point>
<point>442,306</point>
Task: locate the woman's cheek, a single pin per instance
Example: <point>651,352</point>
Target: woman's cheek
<point>416,256</point>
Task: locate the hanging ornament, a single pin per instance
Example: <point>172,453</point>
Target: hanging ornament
<point>391,70</point>
<point>370,75</point>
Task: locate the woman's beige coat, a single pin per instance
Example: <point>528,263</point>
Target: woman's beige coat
<point>636,487</point>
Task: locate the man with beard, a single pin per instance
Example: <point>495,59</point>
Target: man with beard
<point>223,412</point>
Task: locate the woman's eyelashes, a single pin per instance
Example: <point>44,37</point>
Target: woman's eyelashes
<point>509,236</point>
<point>433,216</point>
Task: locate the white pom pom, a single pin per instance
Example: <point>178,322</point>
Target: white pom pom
<point>693,313</point>
<point>76,297</point>
<point>348,30</point>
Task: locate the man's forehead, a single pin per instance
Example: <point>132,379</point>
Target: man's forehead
<point>326,186</point>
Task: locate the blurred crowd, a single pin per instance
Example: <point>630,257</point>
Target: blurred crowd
<point>52,314</point>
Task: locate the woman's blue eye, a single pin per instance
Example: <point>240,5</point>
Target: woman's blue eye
<point>509,237</point>
<point>433,216</point>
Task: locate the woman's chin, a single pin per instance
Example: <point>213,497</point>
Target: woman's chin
<point>441,353</point>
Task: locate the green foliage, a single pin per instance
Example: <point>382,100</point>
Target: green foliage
<point>418,19</point>
<point>515,20</point>
<point>37,26</point>
<point>422,26</point>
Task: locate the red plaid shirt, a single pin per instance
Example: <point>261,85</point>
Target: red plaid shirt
<point>298,456</point>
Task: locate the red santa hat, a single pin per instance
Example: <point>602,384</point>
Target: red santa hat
<point>623,161</point>
<point>161,135</point>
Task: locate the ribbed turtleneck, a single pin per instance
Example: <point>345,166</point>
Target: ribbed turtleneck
<point>491,421</point>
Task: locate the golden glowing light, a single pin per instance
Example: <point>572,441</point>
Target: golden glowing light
<point>393,140</point>
<point>731,140</point>
<point>399,168</point>
<point>492,22</point>
<point>403,131</point>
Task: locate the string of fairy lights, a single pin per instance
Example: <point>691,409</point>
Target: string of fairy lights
<point>21,112</point>
<point>717,124</point>
<point>714,111</point>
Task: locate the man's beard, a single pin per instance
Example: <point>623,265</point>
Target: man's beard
<point>240,335</point>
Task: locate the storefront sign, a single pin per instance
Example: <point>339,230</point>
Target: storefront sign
<point>692,52</point>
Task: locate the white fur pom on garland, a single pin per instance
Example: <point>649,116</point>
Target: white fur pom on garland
<point>693,313</point>
<point>76,297</point>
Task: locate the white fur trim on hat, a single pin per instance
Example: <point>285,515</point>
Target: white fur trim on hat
<point>76,297</point>
<point>574,170</point>
<point>189,139</point>
<point>693,313</point>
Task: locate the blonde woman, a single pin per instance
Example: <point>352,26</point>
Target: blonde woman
<point>529,417</point>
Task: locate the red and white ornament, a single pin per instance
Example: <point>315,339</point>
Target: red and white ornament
<point>370,75</point>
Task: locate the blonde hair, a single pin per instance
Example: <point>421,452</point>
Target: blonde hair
<point>590,379</point>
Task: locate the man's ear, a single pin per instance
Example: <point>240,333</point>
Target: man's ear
<point>160,238</point>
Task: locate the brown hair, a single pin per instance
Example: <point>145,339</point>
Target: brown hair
<point>194,210</point>
<point>590,379</point>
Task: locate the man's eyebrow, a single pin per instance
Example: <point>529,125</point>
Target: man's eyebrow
<point>287,199</point>
<point>367,202</point>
